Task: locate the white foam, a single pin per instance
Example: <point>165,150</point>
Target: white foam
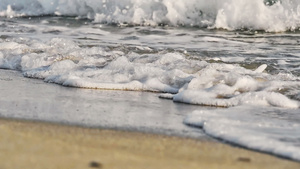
<point>13,46</point>
<point>252,98</point>
<point>231,59</point>
<point>10,55</point>
<point>79,68</point>
<point>63,62</point>
<point>261,68</point>
<point>250,128</point>
<point>226,14</point>
<point>221,85</point>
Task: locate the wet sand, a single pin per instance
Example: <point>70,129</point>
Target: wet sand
<point>36,145</point>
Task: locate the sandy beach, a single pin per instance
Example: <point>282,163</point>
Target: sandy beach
<point>37,145</point>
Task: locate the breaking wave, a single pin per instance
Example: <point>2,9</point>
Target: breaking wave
<point>267,15</point>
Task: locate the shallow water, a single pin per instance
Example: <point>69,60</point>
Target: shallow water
<point>33,99</point>
<point>248,73</point>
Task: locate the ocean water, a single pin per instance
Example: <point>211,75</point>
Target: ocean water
<point>240,58</point>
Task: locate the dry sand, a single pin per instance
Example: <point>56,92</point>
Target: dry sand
<point>36,145</point>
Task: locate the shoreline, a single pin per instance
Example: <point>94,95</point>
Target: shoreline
<point>35,115</point>
<point>33,99</point>
<point>30,144</point>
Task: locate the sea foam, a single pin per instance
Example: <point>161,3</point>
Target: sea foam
<point>251,128</point>
<point>272,16</point>
<point>64,62</point>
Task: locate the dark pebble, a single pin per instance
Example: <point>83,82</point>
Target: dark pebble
<point>94,164</point>
<point>244,159</point>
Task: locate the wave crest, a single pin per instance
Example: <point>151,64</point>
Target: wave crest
<point>268,15</point>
